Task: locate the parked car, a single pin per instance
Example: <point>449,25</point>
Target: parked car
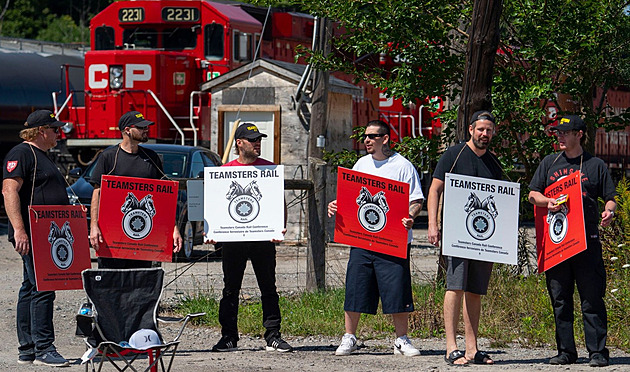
<point>180,162</point>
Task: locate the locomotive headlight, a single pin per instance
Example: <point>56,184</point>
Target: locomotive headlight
<point>116,77</point>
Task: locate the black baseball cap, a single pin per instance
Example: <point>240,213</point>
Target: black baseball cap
<point>42,117</point>
<point>570,122</point>
<point>134,118</point>
<point>483,115</point>
<point>249,131</point>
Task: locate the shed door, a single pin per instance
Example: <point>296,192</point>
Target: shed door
<point>264,120</point>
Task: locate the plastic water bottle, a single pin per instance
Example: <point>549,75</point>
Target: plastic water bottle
<point>86,309</point>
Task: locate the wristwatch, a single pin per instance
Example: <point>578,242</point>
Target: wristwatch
<point>612,212</point>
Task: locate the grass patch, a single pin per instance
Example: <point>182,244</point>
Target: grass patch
<point>517,308</point>
<point>321,313</point>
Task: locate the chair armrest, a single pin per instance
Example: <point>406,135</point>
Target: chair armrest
<point>184,320</point>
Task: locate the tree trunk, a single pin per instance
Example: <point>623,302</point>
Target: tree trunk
<point>482,48</point>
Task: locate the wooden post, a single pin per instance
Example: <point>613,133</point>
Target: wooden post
<point>316,251</point>
<point>316,255</point>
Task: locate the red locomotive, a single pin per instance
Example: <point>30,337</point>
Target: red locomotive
<point>152,56</point>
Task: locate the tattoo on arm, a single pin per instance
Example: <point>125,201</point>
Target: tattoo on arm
<point>415,207</point>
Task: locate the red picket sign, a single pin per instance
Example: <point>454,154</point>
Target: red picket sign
<point>370,210</point>
<point>560,235</point>
<point>136,217</point>
<point>61,250</point>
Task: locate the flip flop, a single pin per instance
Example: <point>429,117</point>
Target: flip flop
<point>455,355</point>
<point>481,357</point>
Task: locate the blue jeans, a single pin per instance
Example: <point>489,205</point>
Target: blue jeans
<point>35,330</point>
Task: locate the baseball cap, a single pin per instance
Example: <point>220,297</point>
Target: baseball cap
<point>144,339</point>
<point>42,117</point>
<point>483,115</point>
<point>134,118</point>
<point>570,122</point>
<point>249,131</point>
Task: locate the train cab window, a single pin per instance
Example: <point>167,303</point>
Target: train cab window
<point>243,44</point>
<point>213,41</point>
<point>104,38</point>
<point>140,38</point>
<point>179,38</point>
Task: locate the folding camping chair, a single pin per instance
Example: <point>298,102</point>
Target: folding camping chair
<point>121,304</point>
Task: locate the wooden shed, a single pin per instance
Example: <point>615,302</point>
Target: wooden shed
<point>264,92</point>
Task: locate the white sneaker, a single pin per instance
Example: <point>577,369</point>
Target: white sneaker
<point>348,345</point>
<point>402,346</point>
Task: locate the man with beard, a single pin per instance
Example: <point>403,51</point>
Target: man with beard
<point>371,275</point>
<point>585,269</point>
<point>131,160</point>
<point>466,279</point>
<point>262,255</point>
<point>31,178</point>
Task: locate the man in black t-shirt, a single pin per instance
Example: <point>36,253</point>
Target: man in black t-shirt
<point>466,279</point>
<point>31,178</point>
<point>586,269</point>
<point>131,160</point>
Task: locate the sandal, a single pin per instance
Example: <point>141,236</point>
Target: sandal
<point>481,357</point>
<point>454,356</point>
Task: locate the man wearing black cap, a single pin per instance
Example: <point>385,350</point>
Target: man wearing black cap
<point>262,255</point>
<point>466,279</point>
<point>131,160</point>
<point>586,269</point>
<point>31,178</point>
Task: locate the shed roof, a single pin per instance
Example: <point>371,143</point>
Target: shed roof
<point>289,71</point>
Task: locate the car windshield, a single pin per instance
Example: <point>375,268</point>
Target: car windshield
<point>174,164</point>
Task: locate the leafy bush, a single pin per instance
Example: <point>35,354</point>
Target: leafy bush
<point>615,245</point>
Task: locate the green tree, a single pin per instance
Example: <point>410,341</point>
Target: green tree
<point>63,29</point>
<point>575,48</point>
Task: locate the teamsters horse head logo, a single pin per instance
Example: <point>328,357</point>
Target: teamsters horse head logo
<point>481,215</point>
<point>372,210</point>
<point>558,224</point>
<point>138,220</point>
<point>61,241</point>
<point>244,207</point>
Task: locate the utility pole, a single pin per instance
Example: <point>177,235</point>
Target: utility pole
<point>316,252</point>
<point>483,42</point>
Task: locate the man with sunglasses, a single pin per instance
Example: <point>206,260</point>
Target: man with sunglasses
<point>31,178</point>
<point>131,160</point>
<point>466,279</point>
<point>262,255</point>
<point>371,275</point>
<point>586,269</point>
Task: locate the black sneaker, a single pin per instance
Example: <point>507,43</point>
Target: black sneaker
<point>26,358</point>
<point>226,343</point>
<point>562,359</point>
<point>276,343</point>
<point>598,360</point>
<point>51,358</point>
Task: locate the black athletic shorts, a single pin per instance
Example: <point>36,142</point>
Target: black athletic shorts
<point>371,275</point>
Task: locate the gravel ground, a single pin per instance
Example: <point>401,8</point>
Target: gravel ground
<point>311,353</point>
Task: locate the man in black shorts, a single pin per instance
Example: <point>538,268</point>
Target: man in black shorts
<point>131,160</point>
<point>465,278</point>
<point>31,178</point>
<point>586,269</point>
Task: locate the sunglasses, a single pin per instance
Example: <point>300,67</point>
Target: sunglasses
<point>372,136</point>
<point>54,129</point>
<point>253,140</point>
